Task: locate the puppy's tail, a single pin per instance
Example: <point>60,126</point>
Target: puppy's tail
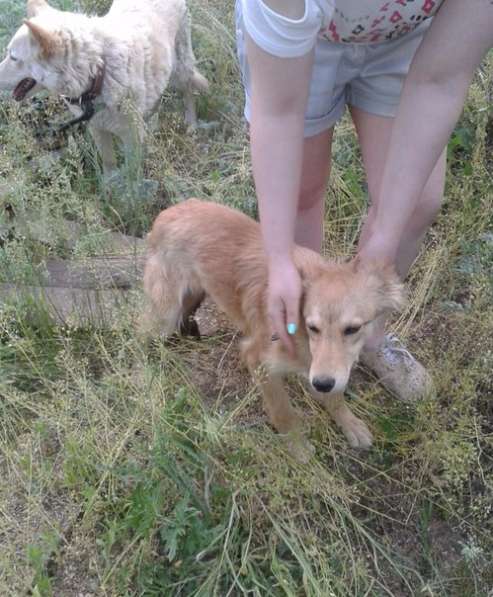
<point>160,299</point>
<point>174,294</point>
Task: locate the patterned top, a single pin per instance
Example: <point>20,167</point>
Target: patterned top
<point>339,21</point>
<point>376,21</point>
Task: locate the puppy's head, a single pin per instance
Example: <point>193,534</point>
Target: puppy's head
<point>340,306</point>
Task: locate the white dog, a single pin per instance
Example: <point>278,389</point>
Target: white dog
<point>111,70</point>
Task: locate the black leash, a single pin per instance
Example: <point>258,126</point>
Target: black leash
<point>88,111</point>
<point>85,102</point>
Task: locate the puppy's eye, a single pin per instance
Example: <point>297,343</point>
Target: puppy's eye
<point>314,329</point>
<point>351,329</point>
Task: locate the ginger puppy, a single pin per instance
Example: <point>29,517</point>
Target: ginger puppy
<point>198,248</point>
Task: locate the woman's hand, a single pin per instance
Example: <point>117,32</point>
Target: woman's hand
<point>283,299</point>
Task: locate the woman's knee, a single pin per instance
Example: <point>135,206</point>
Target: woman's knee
<point>311,194</point>
<point>432,196</point>
<point>315,170</point>
<point>430,204</point>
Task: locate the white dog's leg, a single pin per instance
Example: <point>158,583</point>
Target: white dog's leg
<point>190,111</point>
<point>104,144</point>
<point>132,136</point>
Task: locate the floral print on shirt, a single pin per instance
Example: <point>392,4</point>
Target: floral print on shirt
<point>389,20</point>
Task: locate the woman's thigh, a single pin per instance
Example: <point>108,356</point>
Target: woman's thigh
<point>374,134</point>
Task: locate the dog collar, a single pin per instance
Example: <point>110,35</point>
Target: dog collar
<point>86,100</point>
<point>93,92</point>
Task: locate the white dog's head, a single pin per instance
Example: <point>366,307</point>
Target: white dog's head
<point>37,57</point>
<point>22,69</point>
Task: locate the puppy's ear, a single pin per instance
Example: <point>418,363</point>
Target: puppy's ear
<point>46,39</point>
<point>383,279</point>
<point>305,283</point>
<point>34,7</point>
<point>308,264</point>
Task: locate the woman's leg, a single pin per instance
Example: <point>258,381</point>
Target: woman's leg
<point>314,178</point>
<point>374,136</point>
<point>404,375</point>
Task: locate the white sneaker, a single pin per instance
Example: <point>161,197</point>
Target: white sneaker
<point>397,370</point>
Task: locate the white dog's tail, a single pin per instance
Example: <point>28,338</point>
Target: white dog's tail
<point>186,72</point>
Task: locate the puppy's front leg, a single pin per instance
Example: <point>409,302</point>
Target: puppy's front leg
<point>355,430</point>
<point>286,419</point>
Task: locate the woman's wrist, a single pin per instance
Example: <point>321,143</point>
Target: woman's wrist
<point>279,257</point>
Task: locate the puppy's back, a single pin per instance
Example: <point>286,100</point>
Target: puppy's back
<point>218,247</point>
<point>204,229</point>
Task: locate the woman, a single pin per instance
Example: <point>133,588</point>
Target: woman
<point>302,62</point>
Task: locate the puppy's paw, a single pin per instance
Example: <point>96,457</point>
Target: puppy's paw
<point>356,431</point>
<point>300,448</point>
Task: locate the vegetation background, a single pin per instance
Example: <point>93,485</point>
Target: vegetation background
<point>128,471</point>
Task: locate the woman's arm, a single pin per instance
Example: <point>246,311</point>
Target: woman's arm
<point>279,90</point>
<point>278,99</point>
<point>432,99</point>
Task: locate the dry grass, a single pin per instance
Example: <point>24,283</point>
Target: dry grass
<point>135,471</point>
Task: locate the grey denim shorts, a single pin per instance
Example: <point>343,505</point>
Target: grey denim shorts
<point>367,76</point>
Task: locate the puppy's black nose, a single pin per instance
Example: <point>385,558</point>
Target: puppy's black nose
<point>324,384</point>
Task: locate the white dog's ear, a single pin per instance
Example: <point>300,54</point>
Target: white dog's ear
<point>45,39</point>
<point>34,7</point>
<point>385,282</point>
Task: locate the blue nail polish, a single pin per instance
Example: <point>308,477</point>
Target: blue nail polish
<point>292,327</point>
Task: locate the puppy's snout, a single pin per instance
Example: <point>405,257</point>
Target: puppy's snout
<point>324,384</point>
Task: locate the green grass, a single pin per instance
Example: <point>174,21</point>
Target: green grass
<point>130,470</point>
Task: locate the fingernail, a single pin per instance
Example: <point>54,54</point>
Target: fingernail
<point>292,327</point>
